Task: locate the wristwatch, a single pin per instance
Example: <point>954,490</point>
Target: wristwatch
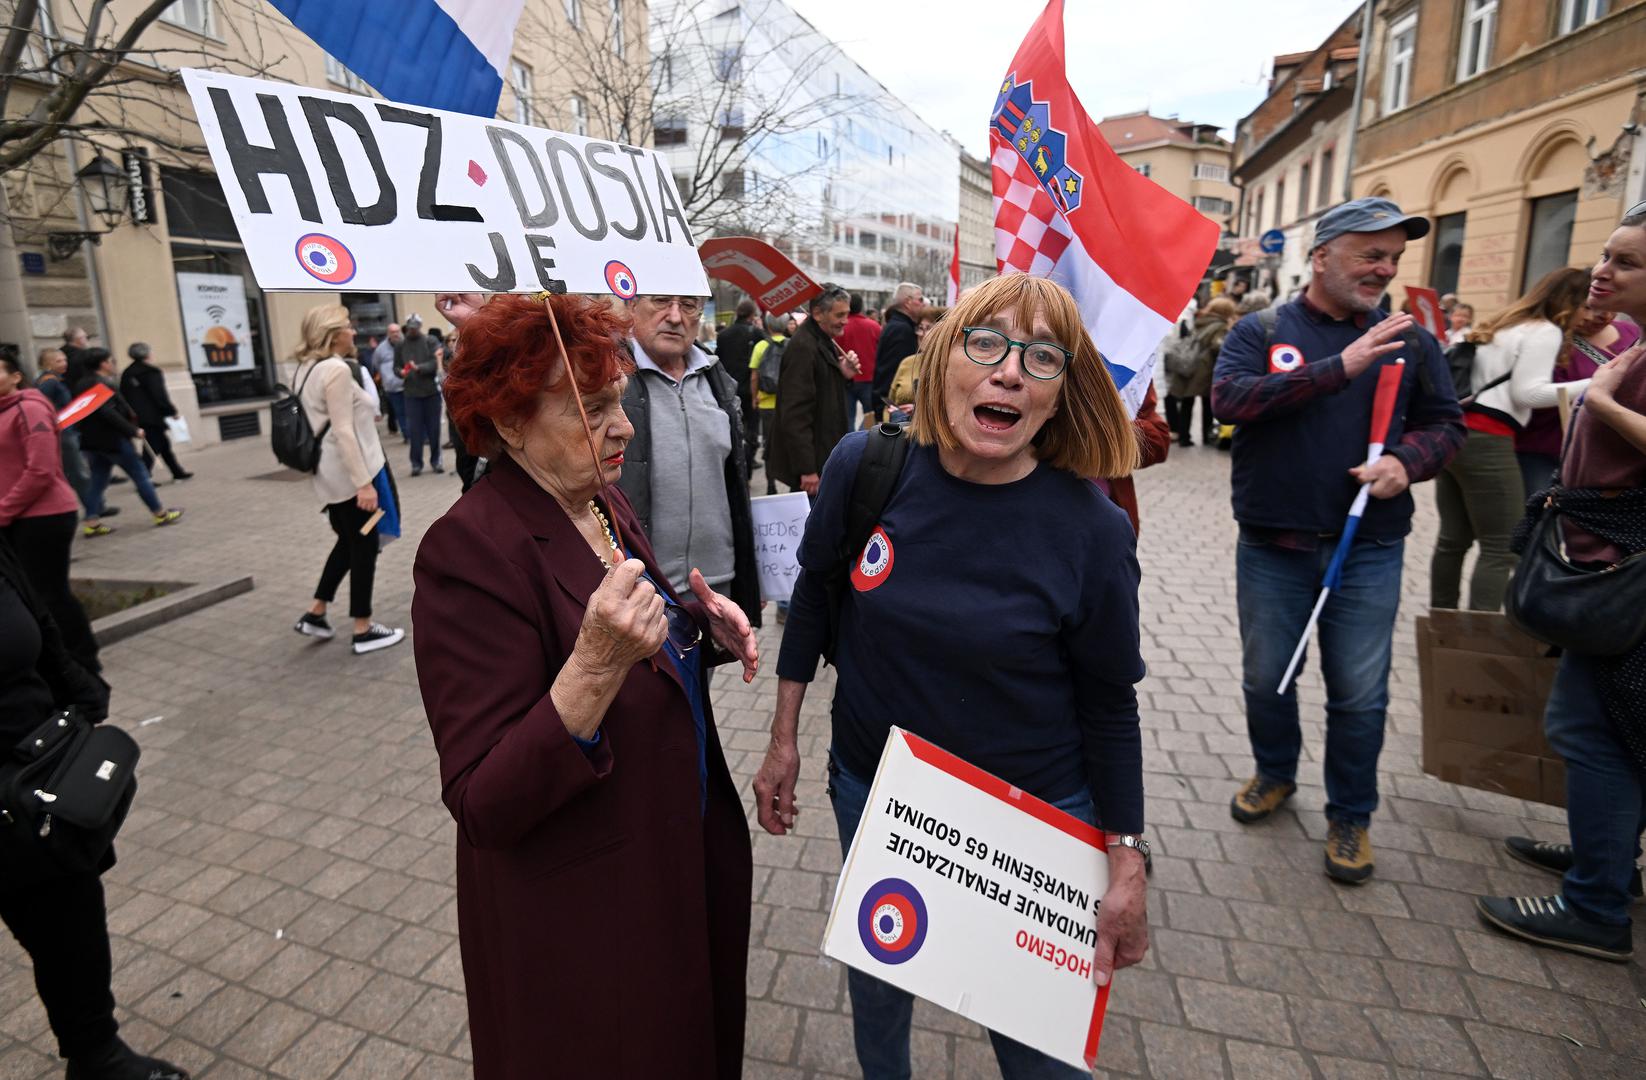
<point>1136,843</point>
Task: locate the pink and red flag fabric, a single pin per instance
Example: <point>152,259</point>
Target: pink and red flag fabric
<point>1068,208</point>
<point>954,270</point>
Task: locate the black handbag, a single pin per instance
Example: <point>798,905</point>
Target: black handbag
<point>1596,612</point>
<point>65,789</point>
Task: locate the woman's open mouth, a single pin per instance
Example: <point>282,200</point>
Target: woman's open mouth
<point>996,417</point>
<point>615,459</point>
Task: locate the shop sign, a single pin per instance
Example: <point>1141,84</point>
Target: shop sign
<point>134,162</point>
<point>216,323</point>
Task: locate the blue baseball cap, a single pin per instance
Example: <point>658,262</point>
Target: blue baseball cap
<point>1367,215</point>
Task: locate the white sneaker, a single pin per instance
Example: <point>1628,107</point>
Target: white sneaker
<point>377,636</point>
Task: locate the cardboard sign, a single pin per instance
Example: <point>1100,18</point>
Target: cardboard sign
<point>83,406</point>
<point>779,523</point>
<point>331,189</point>
<point>1426,310</point>
<point>766,274</point>
<point>976,896</point>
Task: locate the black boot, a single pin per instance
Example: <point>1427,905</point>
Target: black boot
<point>117,1061</point>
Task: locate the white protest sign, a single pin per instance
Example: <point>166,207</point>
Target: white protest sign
<point>976,896</point>
<point>779,523</point>
<point>333,189</point>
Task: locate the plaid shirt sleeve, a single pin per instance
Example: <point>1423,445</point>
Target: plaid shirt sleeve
<point>1245,392</point>
<point>1434,420</point>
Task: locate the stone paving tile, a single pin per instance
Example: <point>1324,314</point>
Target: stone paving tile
<point>283,903</point>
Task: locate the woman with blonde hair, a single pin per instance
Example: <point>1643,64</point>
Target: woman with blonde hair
<point>993,611</point>
<point>353,480</point>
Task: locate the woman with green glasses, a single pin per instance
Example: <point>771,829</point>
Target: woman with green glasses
<point>993,611</point>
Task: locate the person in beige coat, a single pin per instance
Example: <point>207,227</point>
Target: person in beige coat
<point>353,481</point>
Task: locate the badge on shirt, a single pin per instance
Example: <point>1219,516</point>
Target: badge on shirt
<point>1284,358</point>
<point>874,566</point>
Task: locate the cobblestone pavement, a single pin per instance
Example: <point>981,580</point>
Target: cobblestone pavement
<point>283,903</point>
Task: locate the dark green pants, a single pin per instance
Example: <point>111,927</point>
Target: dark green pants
<point>1480,496</point>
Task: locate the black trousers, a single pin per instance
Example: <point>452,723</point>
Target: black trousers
<point>62,924</point>
<point>352,554</point>
<point>157,437</point>
<point>1180,418</point>
<point>42,545</point>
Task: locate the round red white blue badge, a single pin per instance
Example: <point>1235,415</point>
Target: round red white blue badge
<point>874,566</point>
<point>1284,358</point>
<point>621,280</point>
<point>325,258</point>
<point>891,921</point>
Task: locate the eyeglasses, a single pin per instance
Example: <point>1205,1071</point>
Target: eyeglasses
<point>683,632</point>
<point>690,306</point>
<point>1041,359</point>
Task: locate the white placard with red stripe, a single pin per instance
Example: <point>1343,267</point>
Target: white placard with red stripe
<point>83,406</point>
<point>976,896</point>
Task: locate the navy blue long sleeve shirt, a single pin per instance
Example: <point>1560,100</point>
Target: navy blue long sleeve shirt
<point>999,621</point>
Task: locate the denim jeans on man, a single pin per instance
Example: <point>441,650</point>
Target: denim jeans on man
<point>1276,589</point>
<point>423,425</point>
<point>881,1013</point>
<point>1605,795</point>
<point>102,463</point>
<point>397,410</point>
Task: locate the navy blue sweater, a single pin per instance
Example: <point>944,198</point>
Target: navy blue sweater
<point>1002,625</point>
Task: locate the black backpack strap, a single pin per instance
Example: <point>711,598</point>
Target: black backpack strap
<point>877,474</point>
<point>1269,317</point>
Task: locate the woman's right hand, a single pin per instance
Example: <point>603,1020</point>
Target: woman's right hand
<point>366,498</point>
<point>624,623</point>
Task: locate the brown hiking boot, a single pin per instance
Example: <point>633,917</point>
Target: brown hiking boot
<point>1348,853</point>
<point>1259,798</point>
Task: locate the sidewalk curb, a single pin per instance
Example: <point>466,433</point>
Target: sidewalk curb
<point>124,624</point>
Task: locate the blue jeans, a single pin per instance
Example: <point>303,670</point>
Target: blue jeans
<point>881,1013</point>
<point>1605,795</point>
<point>397,408</point>
<point>860,393</point>
<point>102,463</point>
<point>423,425</point>
<point>1536,470</point>
<point>1276,589</point>
<point>74,465</point>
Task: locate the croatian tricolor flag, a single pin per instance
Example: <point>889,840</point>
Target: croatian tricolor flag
<point>441,54</point>
<point>1066,207</point>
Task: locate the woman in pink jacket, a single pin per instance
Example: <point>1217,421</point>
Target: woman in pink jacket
<point>38,509</point>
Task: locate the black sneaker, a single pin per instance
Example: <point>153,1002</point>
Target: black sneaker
<point>377,636</point>
<point>1556,859</point>
<point>315,626</point>
<point>110,511</point>
<point>1546,920</point>
<point>121,1062</point>
<point>417,472</point>
<point>437,468</point>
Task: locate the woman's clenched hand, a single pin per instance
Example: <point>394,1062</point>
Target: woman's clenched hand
<point>624,623</point>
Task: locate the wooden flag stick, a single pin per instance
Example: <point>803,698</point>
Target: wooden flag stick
<point>588,432</point>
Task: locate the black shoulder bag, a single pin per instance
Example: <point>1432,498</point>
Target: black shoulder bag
<point>64,792</point>
<point>877,473</point>
<point>293,440</point>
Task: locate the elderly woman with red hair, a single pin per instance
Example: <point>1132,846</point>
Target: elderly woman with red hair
<point>603,860</point>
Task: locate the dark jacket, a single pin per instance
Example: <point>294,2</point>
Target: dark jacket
<point>732,348</point>
<point>56,390</point>
<point>113,423</point>
<point>636,481</point>
<point>144,387</point>
<point>69,681</point>
<point>811,406</point>
<point>604,917</point>
<point>898,342</point>
<point>417,348</point>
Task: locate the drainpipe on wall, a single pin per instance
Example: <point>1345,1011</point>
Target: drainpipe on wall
<point>1360,96</point>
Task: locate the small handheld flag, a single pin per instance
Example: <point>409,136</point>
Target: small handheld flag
<point>83,406</point>
<point>1383,410</point>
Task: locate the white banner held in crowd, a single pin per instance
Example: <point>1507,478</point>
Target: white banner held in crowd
<point>977,897</point>
<point>779,523</point>
<point>216,324</point>
<point>333,189</point>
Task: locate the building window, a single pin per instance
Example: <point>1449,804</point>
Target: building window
<point>670,131</point>
<point>1397,72</point>
<point>1576,14</point>
<point>1257,213</point>
<point>191,15</point>
<point>731,125</point>
<point>520,81</point>
<point>1448,253</point>
<point>1549,239</point>
<point>574,13</point>
<point>1211,204</point>
<point>728,65</point>
<point>580,115</point>
<point>1304,188</point>
<point>618,45</point>
<point>1280,202</point>
<point>1479,27</point>
<point>1143,168</point>
<point>342,76</point>
<point>1207,171</point>
<point>1326,156</point>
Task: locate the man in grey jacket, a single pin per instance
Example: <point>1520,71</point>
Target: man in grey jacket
<point>684,470</point>
<point>418,364</point>
<point>394,387</point>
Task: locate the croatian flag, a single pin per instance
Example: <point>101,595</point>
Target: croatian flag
<point>440,54</point>
<point>1066,207</point>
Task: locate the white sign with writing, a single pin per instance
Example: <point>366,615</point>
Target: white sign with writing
<point>215,322</point>
<point>976,896</point>
<point>779,523</point>
<point>332,190</point>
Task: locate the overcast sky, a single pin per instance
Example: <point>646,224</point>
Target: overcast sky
<point>1206,60</point>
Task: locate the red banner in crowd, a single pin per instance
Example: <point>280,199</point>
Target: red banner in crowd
<point>760,270</point>
<point>1426,310</point>
<point>83,406</point>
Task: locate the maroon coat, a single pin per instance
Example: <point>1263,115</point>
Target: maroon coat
<point>604,920</point>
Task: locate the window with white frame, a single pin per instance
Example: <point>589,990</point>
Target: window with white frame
<point>520,81</point>
<point>1479,28</point>
<point>193,15</point>
<point>579,115</point>
<point>1397,69</point>
<point>342,76</point>
<point>1204,170</point>
<point>574,13</point>
<point>1576,14</point>
<point>619,46</point>
<point>1210,204</point>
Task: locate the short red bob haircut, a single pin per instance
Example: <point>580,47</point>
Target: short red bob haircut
<point>506,357</point>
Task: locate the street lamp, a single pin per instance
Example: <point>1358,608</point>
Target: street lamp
<point>105,187</point>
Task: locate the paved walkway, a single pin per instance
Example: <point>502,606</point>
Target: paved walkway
<point>283,903</point>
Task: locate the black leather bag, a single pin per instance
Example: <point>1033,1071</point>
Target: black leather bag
<point>1596,612</point>
<point>65,790</point>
